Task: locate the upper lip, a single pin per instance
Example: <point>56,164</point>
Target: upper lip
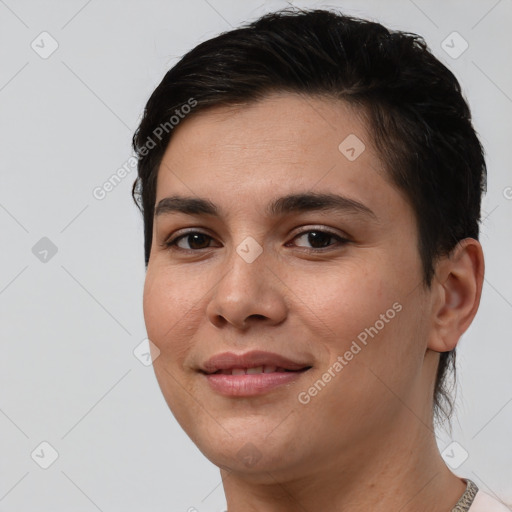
<point>253,359</point>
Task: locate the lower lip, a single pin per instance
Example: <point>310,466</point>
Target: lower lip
<point>250,384</point>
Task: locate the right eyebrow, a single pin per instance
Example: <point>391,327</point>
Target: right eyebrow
<point>186,205</point>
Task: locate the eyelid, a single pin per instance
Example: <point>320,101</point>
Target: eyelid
<point>322,228</point>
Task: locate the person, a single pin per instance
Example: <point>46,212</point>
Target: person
<point>310,185</point>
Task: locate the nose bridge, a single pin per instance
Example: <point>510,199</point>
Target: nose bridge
<point>246,289</point>
<point>249,250</point>
<point>246,255</point>
<point>246,266</point>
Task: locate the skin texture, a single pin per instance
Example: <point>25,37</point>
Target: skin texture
<point>365,441</point>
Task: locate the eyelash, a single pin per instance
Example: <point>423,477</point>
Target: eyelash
<point>172,244</point>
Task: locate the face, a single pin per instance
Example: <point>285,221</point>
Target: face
<point>284,247</point>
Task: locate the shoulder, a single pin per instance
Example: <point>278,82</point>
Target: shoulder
<point>483,502</point>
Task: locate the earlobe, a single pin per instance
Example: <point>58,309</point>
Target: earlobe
<point>456,289</point>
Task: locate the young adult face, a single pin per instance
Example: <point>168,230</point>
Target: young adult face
<point>307,296</point>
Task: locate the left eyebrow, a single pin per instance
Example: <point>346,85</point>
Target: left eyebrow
<point>292,203</point>
<point>311,201</point>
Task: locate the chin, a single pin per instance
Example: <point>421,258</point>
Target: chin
<point>245,450</point>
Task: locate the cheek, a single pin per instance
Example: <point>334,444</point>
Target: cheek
<point>166,306</point>
<point>368,316</point>
<point>375,326</point>
<point>343,302</point>
<point>168,315</point>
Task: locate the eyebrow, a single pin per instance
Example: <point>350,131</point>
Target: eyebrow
<point>292,203</point>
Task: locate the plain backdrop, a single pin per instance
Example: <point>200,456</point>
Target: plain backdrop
<point>74,78</point>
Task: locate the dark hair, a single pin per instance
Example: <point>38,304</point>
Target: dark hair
<point>416,116</point>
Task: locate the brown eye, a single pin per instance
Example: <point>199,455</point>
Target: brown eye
<point>195,239</point>
<point>319,239</point>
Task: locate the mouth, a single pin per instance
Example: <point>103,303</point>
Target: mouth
<point>250,374</point>
<point>256,370</point>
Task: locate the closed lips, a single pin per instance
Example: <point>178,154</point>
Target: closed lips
<point>252,373</point>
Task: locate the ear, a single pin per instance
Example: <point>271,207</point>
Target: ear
<point>456,291</point>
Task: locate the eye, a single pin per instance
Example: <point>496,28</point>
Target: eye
<point>196,240</point>
<point>319,239</point>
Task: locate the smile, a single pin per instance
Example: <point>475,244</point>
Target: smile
<point>252,371</point>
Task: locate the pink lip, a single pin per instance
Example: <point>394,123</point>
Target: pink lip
<point>250,384</point>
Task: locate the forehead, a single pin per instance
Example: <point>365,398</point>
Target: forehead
<point>282,126</point>
<point>281,144</point>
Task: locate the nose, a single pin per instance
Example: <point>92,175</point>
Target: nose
<point>249,292</point>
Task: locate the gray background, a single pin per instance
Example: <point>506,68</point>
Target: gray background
<point>70,323</point>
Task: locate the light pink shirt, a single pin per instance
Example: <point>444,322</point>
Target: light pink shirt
<point>485,503</point>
